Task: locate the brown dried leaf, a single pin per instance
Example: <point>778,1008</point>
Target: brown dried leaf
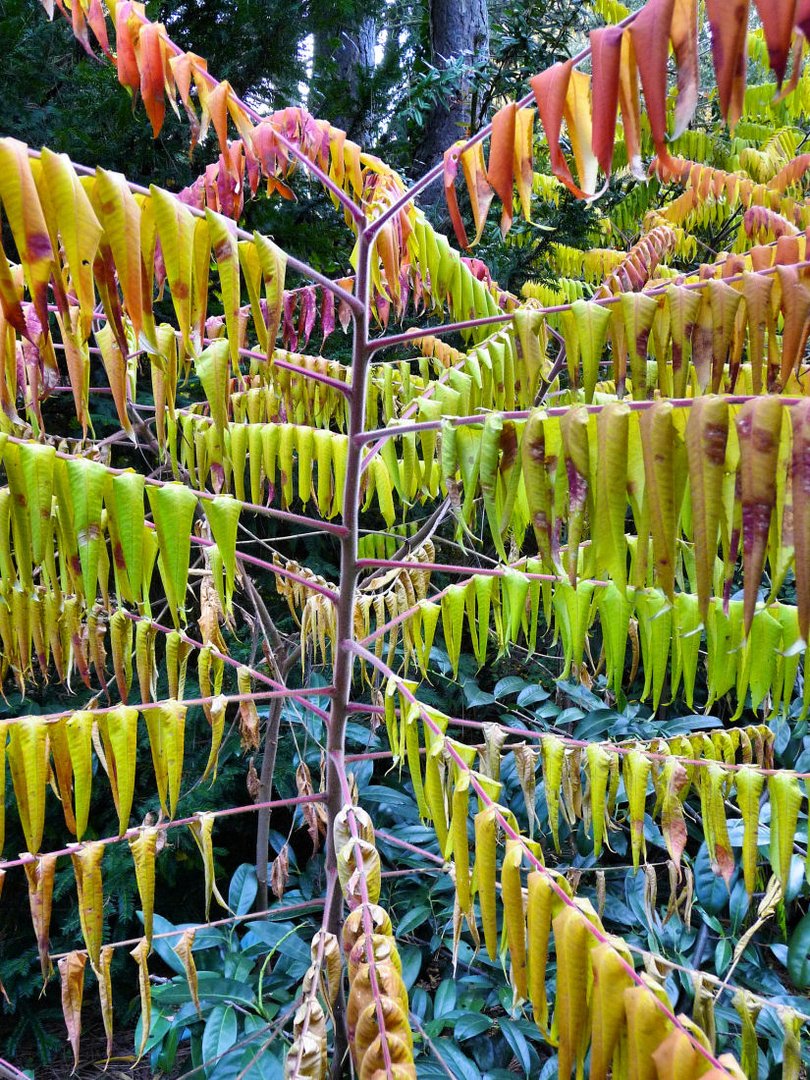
<point>71,972</point>
<point>280,873</point>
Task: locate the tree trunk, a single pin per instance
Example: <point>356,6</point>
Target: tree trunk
<point>343,66</point>
<point>459,29</point>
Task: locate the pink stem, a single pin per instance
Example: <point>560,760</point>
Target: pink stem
<point>229,811</point>
<point>504,824</point>
<point>431,331</point>
<point>143,706</point>
<point>281,571</point>
<point>267,511</point>
<point>438,170</point>
<point>294,264</point>
<point>281,909</point>
<point>538,736</point>
<point>258,675</point>
<point>558,410</point>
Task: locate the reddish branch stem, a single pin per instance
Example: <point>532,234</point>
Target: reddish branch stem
<point>508,829</point>
<point>228,811</point>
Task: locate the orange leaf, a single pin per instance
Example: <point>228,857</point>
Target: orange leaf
<point>796,312</point>
<point>475,173</point>
<point>150,63</point>
<point>524,158</point>
<point>451,159</point>
<point>126,34</point>
<point>728,20</point>
<point>683,35</point>
<point>215,109</point>
<point>71,972</point>
<point>98,24</point>
<point>550,90</point>
<point>606,51</point>
<point>500,169</point>
<point>650,31</point>
<point>777,23</point>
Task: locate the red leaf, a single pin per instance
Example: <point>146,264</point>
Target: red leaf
<point>683,34</point>
<point>728,20</point>
<point>777,23</point>
<point>650,31</point>
<point>606,53</point>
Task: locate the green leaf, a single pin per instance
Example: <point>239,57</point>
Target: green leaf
<point>220,1032</point>
<point>243,888</point>
<point>799,954</point>
<point>173,507</point>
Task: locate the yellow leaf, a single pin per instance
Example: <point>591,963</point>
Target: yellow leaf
<point>87,870</point>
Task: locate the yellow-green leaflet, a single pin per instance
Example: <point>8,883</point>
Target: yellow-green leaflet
<point>786,798</point>
<point>585,329</point>
<point>636,770</point>
<point>273,264</point>
<point>514,917</point>
<point>37,466</point>
<point>28,761</point>
<point>125,520</point>
<point>223,517</point>
<point>749,783</point>
<point>173,507</point>
<point>144,848</point>
<point>175,227</point>
<point>79,732</point>
<point>713,781</point>
<point>202,830</point>
<point>140,954</point>
<point>638,312</point>
<point>610,980</point>
<point>484,877</point>
<point>226,253</point>
<point>573,942</point>
<point>166,726</point>
<point>553,755</point>
<point>213,370</point>
<point>119,733</point>
<point>598,766</point>
<point>87,481</point>
<point>706,436</point>
<point>612,428</point>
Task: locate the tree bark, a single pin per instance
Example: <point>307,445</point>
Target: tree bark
<point>343,67</point>
<point>459,30</point>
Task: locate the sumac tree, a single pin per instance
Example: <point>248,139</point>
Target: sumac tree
<point>620,460</point>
